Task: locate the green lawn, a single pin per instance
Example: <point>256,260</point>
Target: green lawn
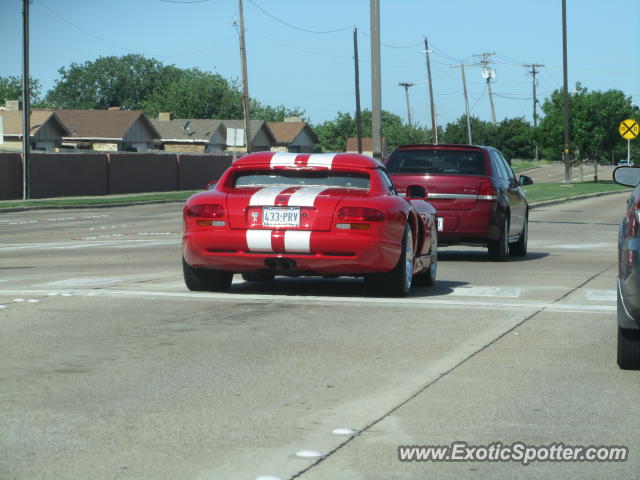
<point>551,191</point>
<point>519,166</point>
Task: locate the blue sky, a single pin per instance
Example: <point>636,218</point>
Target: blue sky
<point>314,71</point>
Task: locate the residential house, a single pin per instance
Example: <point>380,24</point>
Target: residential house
<point>46,130</point>
<point>108,130</point>
<point>292,135</point>
<point>190,135</point>
<point>367,146</point>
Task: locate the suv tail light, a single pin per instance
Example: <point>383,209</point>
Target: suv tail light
<point>360,214</point>
<point>487,190</point>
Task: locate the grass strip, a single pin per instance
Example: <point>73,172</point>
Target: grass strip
<point>539,192</point>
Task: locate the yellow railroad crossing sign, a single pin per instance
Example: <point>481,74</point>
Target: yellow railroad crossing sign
<point>629,129</point>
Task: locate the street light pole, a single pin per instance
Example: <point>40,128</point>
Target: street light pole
<point>26,110</point>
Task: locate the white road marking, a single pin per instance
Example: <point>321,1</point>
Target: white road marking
<point>83,282</point>
<point>496,292</point>
<point>601,295</point>
<point>582,246</point>
<point>458,303</point>
<point>308,454</point>
<point>344,431</point>
<point>72,245</point>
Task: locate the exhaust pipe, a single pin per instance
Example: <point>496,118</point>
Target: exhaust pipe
<point>280,263</point>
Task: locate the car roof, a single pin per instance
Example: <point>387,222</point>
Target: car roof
<point>306,160</point>
<point>442,146</point>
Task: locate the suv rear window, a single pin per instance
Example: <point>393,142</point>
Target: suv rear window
<point>271,178</point>
<point>437,161</point>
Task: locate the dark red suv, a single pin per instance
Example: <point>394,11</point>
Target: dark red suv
<point>477,196</point>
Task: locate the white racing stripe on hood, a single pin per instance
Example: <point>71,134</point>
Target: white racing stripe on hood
<point>283,159</point>
<point>305,197</point>
<point>297,241</point>
<point>266,196</point>
<point>259,240</point>
<point>321,160</point>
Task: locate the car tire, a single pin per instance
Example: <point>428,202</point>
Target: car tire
<point>397,282</point>
<point>206,279</point>
<point>259,276</point>
<point>519,248</point>
<point>428,278</point>
<point>628,349</point>
<point>499,249</point>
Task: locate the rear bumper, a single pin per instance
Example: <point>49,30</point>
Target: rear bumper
<point>330,253</point>
<point>477,225</point>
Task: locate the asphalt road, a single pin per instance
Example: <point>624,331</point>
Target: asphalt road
<point>111,369</point>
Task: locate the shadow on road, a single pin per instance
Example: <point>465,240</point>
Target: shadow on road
<point>482,256</point>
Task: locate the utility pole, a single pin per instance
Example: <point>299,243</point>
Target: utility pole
<point>466,102</point>
<point>488,74</point>
<point>434,127</point>
<point>534,72</point>
<point>406,86</point>
<point>565,153</point>
<point>357,72</point>
<point>376,87</point>
<point>245,82</point>
<point>26,110</point>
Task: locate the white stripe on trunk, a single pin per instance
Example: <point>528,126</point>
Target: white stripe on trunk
<point>259,240</point>
<point>266,196</point>
<point>283,159</point>
<point>297,241</point>
<point>321,160</point>
<point>305,196</point>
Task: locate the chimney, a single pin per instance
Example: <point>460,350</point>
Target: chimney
<point>165,116</point>
<point>14,105</point>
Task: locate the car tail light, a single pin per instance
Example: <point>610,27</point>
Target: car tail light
<point>205,210</point>
<point>487,190</point>
<point>360,214</point>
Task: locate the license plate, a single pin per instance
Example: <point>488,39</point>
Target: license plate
<point>440,224</point>
<point>281,216</point>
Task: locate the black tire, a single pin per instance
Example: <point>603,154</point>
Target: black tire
<point>205,279</point>
<point>397,282</point>
<point>628,349</point>
<point>519,248</point>
<point>499,249</point>
<point>428,278</point>
<point>259,276</point>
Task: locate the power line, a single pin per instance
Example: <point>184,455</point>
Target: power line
<point>296,27</point>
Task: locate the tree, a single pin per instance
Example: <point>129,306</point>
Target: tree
<point>514,138</point>
<point>273,114</point>
<point>11,89</point>
<point>196,94</point>
<point>483,133</point>
<point>594,119</point>
<point>110,82</point>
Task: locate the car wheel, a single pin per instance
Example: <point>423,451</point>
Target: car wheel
<point>397,282</point>
<point>428,278</point>
<point>206,279</point>
<point>499,249</point>
<point>628,349</point>
<point>519,249</point>
<point>259,276</point>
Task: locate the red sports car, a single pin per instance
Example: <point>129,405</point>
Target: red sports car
<point>309,214</point>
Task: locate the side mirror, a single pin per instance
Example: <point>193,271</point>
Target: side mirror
<point>211,185</point>
<point>524,180</point>
<point>415,192</point>
<point>627,176</point>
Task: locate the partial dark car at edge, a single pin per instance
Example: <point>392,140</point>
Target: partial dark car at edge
<point>478,199</point>
<point>628,308</point>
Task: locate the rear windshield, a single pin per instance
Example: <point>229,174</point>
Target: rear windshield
<point>299,178</point>
<point>460,162</point>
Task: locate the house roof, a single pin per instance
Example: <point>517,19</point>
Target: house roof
<point>286,132</point>
<point>103,124</point>
<point>12,121</point>
<point>255,125</point>
<point>196,131</point>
